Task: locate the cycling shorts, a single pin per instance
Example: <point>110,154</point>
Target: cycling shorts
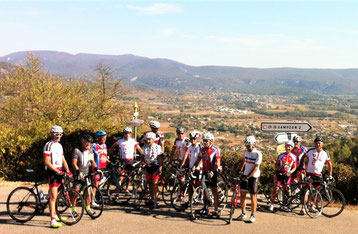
<point>127,166</point>
<point>152,172</point>
<point>282,180</point>
<point>213,181</point>
<point>54,180</point>
<point>249,185</point>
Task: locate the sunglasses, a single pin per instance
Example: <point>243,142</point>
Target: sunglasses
<point>205,140</point>
<point>180,133</point>
<point>192,138</point>
<point>58,134</point>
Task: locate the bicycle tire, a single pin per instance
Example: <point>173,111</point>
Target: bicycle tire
<point>166,190</point>
<point>124,193</point>
<point>313,203</point>
<point>74,206</point>
<point>233,204</point>
<point>28,199</point>
<point>179,197</point>
<point>333,202</point>
<point>264,197</point>
<point>94,212</point>
<point>197,203</point>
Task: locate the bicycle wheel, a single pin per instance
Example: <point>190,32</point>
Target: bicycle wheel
<point>313,203</point>
<point>333,202</point>
<point>179,197</point>
<point>167,188</point>
<point>264,197</point>
<point>71,203</point>
<point>22,204</point>
<point>222,191</point>
<point>122,194</point>
<point>197,206</point>
<point>94,199</point>
<point>233,204</point>
<point>140,196</point>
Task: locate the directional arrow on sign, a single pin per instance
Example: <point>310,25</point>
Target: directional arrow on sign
<point>285,127</point>
<point>283,137</point>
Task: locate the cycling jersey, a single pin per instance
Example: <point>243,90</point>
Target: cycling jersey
<point>159,137</point>
<point>151,154</point>
<point>300,152</point>
<point>316,161</point>
<point>194,152</point>
<point>83,159</point>
<point>127,148</point>
<point>182,146</point>
<point>251,159</point>
<point>286,161</point>
<point>100,155</point>
<point>55,151</point>
<point>209,157</point>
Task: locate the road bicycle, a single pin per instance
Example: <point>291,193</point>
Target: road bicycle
<point>333,199</point>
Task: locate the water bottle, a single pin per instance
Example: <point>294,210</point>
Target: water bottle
<point>103,180</point>
<point>41,195</point>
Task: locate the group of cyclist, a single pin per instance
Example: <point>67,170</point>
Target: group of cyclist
<point>192,154</point>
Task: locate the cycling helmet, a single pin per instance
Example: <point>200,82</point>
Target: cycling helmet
<point>250,140</point>
<point>150,135</point>
<point>318,138</point>
<point>208,136</point>
<point>180,130</point>
<point>195,134</point>
<point>87,138</point>
<point>127,129</point>
<point>154,124</point>
<point>101,133</point>
<point>290,143</point>
<point>297,139</point>
<point>56,128</point>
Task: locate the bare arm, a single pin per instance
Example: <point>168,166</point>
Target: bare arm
<point>49,165</point>
<point>74,164</point>
<point>253,171</point>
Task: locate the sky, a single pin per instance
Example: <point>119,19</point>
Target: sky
<point>304,34</point>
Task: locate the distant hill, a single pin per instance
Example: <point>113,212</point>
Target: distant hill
<point>169,74</point>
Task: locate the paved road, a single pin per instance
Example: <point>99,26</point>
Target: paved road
<point>125,220</point>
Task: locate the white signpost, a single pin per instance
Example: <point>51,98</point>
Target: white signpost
<point>283,137</point>
<point>285,127</point>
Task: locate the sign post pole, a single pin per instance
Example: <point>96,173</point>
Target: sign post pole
<point>135,116</point>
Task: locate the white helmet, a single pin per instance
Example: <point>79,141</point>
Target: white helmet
<point>297,138</point>
<point>127,129</point>
<point>250,140</point>
<point>208,136</point>
<point>290,143</point>
<point>154,124</point>
<point>56,128</point>
<point>195,134</point>
<point>150,135</point>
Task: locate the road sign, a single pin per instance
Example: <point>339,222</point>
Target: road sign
<point>283,137</point>
<point>135,122</point>
<point>284,127</point>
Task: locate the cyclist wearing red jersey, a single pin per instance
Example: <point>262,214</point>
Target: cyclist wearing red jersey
<point>54,163</point>
<point>285,166</point>
<point>181,143</point>
<point>153,158</point>
<point>253,159</point>
<point>299,150</point>
<point>159,135</point>
<point>211,159</point>
<point>100,156</point>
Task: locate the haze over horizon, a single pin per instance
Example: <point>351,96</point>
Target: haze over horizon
<point>261,34</point>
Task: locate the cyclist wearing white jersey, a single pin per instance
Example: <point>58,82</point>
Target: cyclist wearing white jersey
<point>181,144</point>
<point>54,163</point>
<point>253,159</point>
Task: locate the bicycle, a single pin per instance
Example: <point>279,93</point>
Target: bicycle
<point>92,195</point>
<point>203,199</point>
<point>333,199</point>
<point>140,189</point>
<point>24,203</point>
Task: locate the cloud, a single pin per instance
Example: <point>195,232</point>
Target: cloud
<point>167,32</point>
<point>157,8</point>
<point>246,41</point>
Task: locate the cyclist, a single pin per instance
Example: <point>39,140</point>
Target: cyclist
<point>253,159</point>
<point>159,135</point>
<point>54,163</point>
<point>100,156</point>
<point>317,157</point>
<point>211,159</point>
<point>195,148</point>
<point>299,150</point>
<point>285,165</point>
<point>128,147</point>
<point>82,158</point>
<point>181,143</point>
<point>153,158</point>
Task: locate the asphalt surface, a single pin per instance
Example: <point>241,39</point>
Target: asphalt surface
<point>125,219</point>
